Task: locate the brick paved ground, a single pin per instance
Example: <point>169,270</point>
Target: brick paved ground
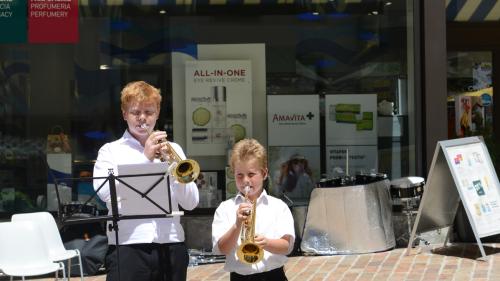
<point>456,262</point>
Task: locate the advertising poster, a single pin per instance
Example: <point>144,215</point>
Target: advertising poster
<point>254,53</point>
<point>481,75</point>
<point>53,21</point>
<point>477,184</point>
<point>351,160</point>
<point>231,189</point>
<point>13,21</point>
<point>294,172</point>
<point>471,112</point>
<point>463,120</point>
<point>209,195</point>
<point>218,105</point>
<point>351,119</point>
<point>351,134</point>
<point>293,120</point>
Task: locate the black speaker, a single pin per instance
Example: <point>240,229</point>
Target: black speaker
<point>92,242</point>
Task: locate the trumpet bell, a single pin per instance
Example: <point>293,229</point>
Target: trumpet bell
<point>186,171</point>
<point>250,253</point>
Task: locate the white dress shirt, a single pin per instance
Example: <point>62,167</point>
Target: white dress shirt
<point>273,220</point>
<point>128,150</point>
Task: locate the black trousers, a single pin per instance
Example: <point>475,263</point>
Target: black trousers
<point>147,262</point>
<point>277,274</point>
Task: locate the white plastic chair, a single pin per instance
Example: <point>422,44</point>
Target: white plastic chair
<point>52,237</point>
<point>23,251</point>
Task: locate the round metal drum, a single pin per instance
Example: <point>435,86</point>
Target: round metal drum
<point>79,210</point>
<point>333,182</point>
<point>409,187</point>
<point>369,178</point>
<point>359,179</point>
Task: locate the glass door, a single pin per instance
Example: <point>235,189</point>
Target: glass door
<point>470,95</point>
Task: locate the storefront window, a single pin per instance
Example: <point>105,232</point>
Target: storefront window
<point>347,65</point>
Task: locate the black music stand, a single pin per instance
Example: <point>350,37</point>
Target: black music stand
<point>115,215</point>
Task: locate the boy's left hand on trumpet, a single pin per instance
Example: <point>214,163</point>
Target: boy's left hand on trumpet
<point>154,145</point>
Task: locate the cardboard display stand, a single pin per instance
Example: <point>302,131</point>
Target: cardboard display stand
<point>461,170</point>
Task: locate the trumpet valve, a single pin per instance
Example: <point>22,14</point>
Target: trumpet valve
<point>171,167</point>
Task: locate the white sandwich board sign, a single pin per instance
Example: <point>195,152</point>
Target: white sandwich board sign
<point>461,170</point>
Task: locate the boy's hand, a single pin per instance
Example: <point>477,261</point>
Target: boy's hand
<point>261,241</point>
<point>242,213</point>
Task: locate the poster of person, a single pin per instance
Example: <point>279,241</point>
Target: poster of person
<point>469,114</point>
<point>463,115</point>
<point>293,172</point>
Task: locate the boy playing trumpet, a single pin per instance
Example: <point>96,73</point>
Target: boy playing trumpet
<point>274,226</point>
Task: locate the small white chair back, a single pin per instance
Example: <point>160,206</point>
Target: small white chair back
<point>50,233</point>
<point>23,251</point>
<point>49,230</point>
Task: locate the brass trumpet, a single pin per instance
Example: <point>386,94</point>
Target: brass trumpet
<point>184,171</point>
<point>249,252</point>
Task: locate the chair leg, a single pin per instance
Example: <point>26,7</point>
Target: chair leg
<point>69,268</point>
<point>63,271</point>
<point>61,267</point>
<point>80,264</point>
